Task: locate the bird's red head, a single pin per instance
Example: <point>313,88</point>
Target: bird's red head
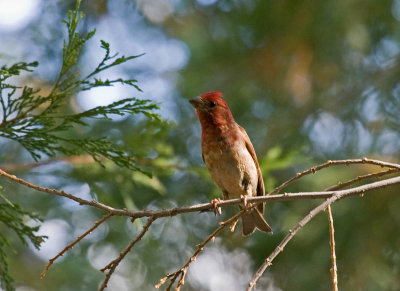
<point>212,95</point>
<point>212,110</point>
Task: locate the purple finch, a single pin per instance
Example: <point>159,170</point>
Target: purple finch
<point>230,157</point>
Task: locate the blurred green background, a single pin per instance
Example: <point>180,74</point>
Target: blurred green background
<point>308,80</point>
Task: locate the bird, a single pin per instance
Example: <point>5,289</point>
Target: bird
<point>230,157</point>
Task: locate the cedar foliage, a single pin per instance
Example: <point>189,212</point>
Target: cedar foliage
<point>39,123</point>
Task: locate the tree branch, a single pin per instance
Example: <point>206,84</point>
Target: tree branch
<point>113,264</point>
<point>331,195</point>
<point>341,185</point>
<point>182,271</point>
<point>71,245</point>
<point>333,251</point>
<point>329,163</point>
<point>337,195</point>
<point>185,209</point>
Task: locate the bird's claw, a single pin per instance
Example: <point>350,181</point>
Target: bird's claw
<point>216,208</point>
<point>244,201</point>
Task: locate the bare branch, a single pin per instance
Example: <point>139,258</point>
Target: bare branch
<point>50,191</point>
<point>280,247</point>
<point>182,271</point>
<point>362,177</point>
<point>335,196</point>
<point>331,195</point>
<point>193,208</point>
<point>114,263</point>
<point>333,251</point>
<point>171,211</point>
<point>71,245</point>
<point>329,163</point>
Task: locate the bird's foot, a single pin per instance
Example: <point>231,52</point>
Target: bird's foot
<point>244,201</point>
<point>216,208</point>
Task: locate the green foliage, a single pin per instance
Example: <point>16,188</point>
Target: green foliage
<point>274,160</point>
<point>13,217</point>
<point>45,125</point>
<point>36,121</point>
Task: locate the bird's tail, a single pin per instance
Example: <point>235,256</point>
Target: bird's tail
<point>253,219</point>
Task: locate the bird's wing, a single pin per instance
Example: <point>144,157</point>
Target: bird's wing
<point>260,184</point>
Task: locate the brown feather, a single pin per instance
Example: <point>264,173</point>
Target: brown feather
<point>230,156</point>
<point>260,184</point>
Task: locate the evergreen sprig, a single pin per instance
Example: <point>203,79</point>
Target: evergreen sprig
<point>37,121</point>
<point>14,218</point>
<point>44,125</point>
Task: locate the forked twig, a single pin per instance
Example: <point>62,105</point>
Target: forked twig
<point>114,263</point>
<point>182,271</point>
<point>331,195</point>
<point>280,247</point>
<point>329,163</point>
<point>166,212</point>
<point>206,206</point>
<point>392,169</point>
<point>336,196</point>
<point>71,245</point>
<point>341,185</point>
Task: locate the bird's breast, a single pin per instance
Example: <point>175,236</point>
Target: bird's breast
<point>231,166</point>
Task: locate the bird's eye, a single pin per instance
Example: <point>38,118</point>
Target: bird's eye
<point>213,104</point>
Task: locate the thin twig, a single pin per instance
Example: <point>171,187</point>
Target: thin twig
<point>197,207</point>
<point>332,195</point>
<point>51,191</point>
<point>329,163</point>
<point>291,234</point>
<point>171,211</point>
<point>333,251</point>
<point>114,263</point>
<point>182,271</point>
<point>71,245</point>
<point>5,121</point>
<point>333,270</point>
<point>362,177</point>
<point>336,196</point>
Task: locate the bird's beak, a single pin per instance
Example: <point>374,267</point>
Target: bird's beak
<point>197,102</point>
